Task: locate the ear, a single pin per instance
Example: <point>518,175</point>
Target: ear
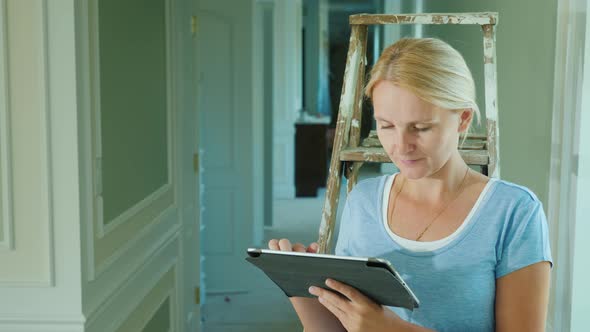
<point>465,117</point>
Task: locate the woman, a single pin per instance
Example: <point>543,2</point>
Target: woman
<point>474,250</point>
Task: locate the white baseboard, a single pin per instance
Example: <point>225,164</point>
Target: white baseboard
<point>41,324</point>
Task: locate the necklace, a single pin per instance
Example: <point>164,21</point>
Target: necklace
<point>439,212</point>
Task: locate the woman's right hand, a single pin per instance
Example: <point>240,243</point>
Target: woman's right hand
<point>285,245</point>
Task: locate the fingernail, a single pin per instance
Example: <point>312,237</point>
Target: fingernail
<point>312,290</point>
<point>328,281</point>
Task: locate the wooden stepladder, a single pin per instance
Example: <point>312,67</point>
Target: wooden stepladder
<point>349,152</point>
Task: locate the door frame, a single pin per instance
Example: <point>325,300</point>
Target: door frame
<point>565,185</point>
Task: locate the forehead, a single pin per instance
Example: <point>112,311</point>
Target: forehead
<point>394,103</point>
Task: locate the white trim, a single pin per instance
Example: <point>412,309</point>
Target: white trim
<point>580,271</point>
<point>6,219</point>
<point>171,212</point>
<point>92,161</point>
<point>37,323</point>
<point>102,229</point>
<point>132,211</point>
<point>169,295</point>
<point>131,288</point>
<point>46,128</point>
<point>85,138</point>
<point>45,144</point>
<point>258,130</point>
<point>287,100</point>
<point>46,156</point>
<point>36,319</point>
<point>567,94</point>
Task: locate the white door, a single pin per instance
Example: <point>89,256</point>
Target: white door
<point>224,50</point>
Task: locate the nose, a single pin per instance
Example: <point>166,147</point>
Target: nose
<point>404,142</point>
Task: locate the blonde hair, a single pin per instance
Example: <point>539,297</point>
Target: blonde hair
<point>431,69</point>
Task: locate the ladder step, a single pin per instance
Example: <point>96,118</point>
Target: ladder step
<point>470,136</point>
<point>372,142</point>
<point>378,155</point>
<point>426,18</point>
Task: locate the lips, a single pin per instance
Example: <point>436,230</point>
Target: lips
<point>410,162</point>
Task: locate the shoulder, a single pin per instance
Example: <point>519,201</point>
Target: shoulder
<point>369,189</point>
<point>515,193</point>
<point>518,210</point>
<point>366,195</point>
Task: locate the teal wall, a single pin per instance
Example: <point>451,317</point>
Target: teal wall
<point>133,101</point>
<point>525,52</point>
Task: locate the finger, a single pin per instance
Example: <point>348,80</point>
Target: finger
<point>334,309</point>
<point>273,244</point>
<point>299,247</point>
<point>285,245</point>
<point>313,247</point>
<point>350,292</point>
<point>335,298</point>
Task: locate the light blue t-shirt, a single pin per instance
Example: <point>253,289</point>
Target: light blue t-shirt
<point>455,284</point>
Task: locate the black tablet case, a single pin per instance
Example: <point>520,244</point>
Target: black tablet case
<point>295,274</point>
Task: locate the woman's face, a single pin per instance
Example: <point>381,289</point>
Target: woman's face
<point>418,136</point>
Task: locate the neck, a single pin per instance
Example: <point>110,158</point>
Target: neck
<point>440,185</point>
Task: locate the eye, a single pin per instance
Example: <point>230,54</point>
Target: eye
<point>386,125</point>
<point>422,128</point>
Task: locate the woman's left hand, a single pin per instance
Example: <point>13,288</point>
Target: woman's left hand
<point>355,311</point>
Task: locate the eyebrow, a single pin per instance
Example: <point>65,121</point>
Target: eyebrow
<point>430,121</point>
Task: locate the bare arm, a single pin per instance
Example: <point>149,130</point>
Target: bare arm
<point>312,314</point>
<point>521,299</point>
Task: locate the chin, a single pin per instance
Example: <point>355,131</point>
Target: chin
<point>413,173</point>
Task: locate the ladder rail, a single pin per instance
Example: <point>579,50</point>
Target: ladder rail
<point>491,99</point>
<point>354,60</point>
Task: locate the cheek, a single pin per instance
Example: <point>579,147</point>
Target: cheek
<point>433,142</point>
<point>439,143</point>
<point>386,139</point>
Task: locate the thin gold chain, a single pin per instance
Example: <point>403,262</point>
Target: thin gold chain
<point>439,213</point>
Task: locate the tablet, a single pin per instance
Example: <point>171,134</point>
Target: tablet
<point>295,272</point>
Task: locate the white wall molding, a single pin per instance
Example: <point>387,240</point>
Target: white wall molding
<point>155,230</point>
<point>46,295</point>
<point>568,90</point>
<point>41,323</point>
<point>114,286</point>
<point>580,270</point>
<point>115,309</point>
<point>126,216</point>
<point>99,233</point>
<point>21,121</point>
<point>287,99</point>
<point>48,153</point>
<point>103,228</point>
<point>6,217</point>
<point>258,114</point>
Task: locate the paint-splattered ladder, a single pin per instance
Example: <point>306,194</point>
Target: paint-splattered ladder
<point>349,153</point>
